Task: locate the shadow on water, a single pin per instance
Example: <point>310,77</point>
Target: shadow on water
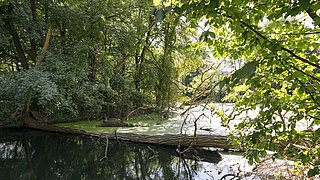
<point>26,154</point>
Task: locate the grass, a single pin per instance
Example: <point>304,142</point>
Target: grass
<point>152,124</point>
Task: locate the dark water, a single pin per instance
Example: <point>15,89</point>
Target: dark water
<point>26,154</point>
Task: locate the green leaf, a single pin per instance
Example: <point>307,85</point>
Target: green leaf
<point>224,82</point>
<point>156,2</point>
<point>316,135</point>
<point>304,5</point>
<point>313,172</point>
<point>160,15</point>
<point>214,4</point>
<point>153,11</point>
<point>274,46</point>
<point>168,8</point>
<point>244,72</point>
<point>256,156</point>
<point>294,11</point>
<point>250,162</point>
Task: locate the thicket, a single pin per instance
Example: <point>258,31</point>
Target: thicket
<point>105,58</point>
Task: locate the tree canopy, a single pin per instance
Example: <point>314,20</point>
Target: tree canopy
<point>106,58</point>
<point>279,41</point>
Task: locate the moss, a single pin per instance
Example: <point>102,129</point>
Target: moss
<point>151,124</point>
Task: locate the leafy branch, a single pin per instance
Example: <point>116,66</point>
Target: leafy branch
<point>265,38</point>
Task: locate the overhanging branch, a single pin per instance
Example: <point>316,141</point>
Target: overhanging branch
<point>282,48</point>
<point>313,16</point>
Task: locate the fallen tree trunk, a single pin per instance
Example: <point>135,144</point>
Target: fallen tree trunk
<point>115,124</point>
<point>181,140</point>
<point>175,139</point>
<point>31,121</point>
<point>186,153</point>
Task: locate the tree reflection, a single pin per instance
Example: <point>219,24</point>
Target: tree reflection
<point>34,155</point>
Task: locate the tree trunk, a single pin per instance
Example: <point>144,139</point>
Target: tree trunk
<point>176,139</point>
<point>93,66</point>
<point>140,60</point>
<point>15,37</point>
<point>46,11</point>
<point>160,98</point>
<point>33,49</point>
<point>30,121</point>
<point>137,77</point>
<point>63,36</point>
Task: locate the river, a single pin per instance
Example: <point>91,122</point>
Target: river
<point>29,154</point>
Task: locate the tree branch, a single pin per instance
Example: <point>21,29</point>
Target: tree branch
<point>175,82</point>
<point>297,34</point>
<point>15,36</point>
<point>302,84</point>
<point>282,48</point>
<point>297,69</point>
<point>313,16</point>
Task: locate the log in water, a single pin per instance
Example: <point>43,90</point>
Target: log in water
<point>115,124</point>
<point>175,139</point>
<point>182,140</point>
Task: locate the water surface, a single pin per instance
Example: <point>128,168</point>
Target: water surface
<point>26,154</point>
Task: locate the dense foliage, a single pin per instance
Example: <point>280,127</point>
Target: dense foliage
<point>105,58</point>
<point>279,41</point>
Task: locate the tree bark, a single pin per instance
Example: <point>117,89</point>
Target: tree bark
<point>176,139</point>
<point>15,37</point>
<point>33,48</point>
<point>161,92</point>
<point>46,11</point>
<point>137,77</point>
<point>93,66</point>
<point>140,60</point>
<point>216,141</point>
<point>63,36</point>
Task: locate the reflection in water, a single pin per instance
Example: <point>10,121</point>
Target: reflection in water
<point>38,155</point>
